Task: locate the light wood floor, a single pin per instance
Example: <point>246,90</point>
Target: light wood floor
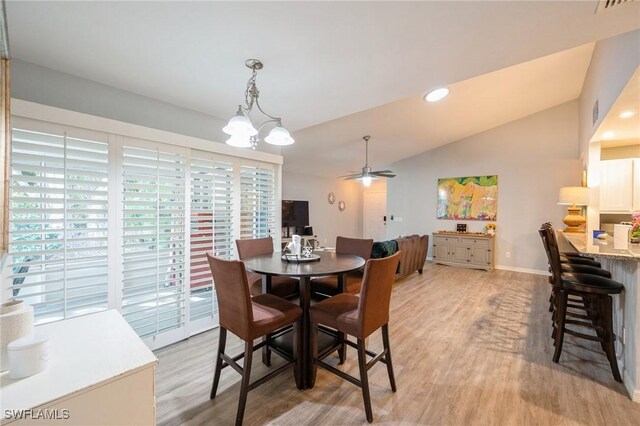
<point>469,347</point>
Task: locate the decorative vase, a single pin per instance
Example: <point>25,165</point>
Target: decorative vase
<point>16,321</point>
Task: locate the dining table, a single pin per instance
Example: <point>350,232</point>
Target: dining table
<point>326,263</point>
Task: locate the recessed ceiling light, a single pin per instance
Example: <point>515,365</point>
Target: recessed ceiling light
<point>626,114</point>
<point>608,135</point>
<point>436,94</point>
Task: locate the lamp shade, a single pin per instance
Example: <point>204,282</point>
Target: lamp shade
<point>240,125</point>
<point>574,195</point>
<point>239,142</point>
<point>279,136</point>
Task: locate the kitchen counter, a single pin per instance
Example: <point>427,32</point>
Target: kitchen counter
<point>624,266</point>
<point>602,248</point>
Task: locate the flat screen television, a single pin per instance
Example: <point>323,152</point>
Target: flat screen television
<point>295,213</point>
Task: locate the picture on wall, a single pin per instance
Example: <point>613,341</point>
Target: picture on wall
<point>468,198</point>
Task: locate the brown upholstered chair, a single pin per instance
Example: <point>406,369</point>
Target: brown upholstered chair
<point>248,318</point>
<point>359,317</point>
<point>286,287</point>
<point>353,281</point>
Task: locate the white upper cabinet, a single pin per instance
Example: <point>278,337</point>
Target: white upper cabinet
<point>617,187</point>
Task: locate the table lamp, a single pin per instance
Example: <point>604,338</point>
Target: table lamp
<point>574,196</point>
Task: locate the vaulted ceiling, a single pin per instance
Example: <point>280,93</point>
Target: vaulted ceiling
<point>333,70</point>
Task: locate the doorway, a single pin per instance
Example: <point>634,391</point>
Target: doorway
<point>375,213</point>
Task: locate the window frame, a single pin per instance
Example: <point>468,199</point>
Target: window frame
<point>119,134</point>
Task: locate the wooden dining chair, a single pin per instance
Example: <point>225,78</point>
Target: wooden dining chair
<point>595,291</point>
<point>328,286</point>
<point>359,316</point>
<point>286,287</point>
<point>249,318</point>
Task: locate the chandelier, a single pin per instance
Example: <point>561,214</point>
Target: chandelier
<point>242,133</point>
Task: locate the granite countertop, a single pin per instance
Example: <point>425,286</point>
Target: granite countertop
<point>601,248</point>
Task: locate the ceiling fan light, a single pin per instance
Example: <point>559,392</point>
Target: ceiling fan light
<point>436,94</point>
<point>279,136</point>
<point>239,142</point>
<point>240,126</point>
<point>366,180</point>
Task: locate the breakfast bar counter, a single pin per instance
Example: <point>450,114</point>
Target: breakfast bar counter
<point>624,265</point>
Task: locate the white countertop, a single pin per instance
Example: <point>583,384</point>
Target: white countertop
<point>83,352</point>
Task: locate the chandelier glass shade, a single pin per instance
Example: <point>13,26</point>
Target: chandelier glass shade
<point>240,128</point>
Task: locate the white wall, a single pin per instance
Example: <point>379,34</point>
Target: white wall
<point>327,221</point>
<point>45,86</point>
<point>613,63</point>
<point>533,157</point>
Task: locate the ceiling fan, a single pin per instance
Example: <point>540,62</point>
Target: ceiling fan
<point>367,175</point>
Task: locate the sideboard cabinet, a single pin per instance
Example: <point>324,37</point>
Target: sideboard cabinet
<point>465,250</point>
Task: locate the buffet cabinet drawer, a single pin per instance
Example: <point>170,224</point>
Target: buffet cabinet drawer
<point>475,242</point>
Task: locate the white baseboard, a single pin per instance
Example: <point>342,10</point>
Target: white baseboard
<point>513,269</point>
<point>629,384</point>
<point>524,270</point>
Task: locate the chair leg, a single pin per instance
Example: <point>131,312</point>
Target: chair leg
<point>314,353</point>
<point>385,344</point>
<point>561,300</point>
<point>364,380</point>
<point>298,367</point>
<point>607,320</point>
<point>222,342</point>
<point>244,388</point>
<point>342,352</point>
<point>266,351</point>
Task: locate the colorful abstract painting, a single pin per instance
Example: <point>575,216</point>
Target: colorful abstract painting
<point>468,198</point>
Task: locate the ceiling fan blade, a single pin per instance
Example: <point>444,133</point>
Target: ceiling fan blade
<point>383,171</point>
<point>353,175</point>
<point>379,174</point>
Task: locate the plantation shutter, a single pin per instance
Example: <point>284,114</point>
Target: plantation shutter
<point>153,239</point>
<point>58,222</point>
<point>257,201</point>
<point>211,228</point>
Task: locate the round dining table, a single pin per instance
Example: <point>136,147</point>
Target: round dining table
<point>330,263</point>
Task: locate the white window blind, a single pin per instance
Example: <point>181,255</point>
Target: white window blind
<point>153,239</point>
<point>257,202</point>
<point>58,223</point>
<point>211,229</point>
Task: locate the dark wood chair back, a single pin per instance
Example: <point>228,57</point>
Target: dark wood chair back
<point>550,243</point>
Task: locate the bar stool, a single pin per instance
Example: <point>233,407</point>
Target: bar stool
<point>571,262</point>
<point>248,318</point>
<point>359,317</point>
<point>596,293</point>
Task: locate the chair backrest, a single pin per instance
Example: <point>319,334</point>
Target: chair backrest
<point>375,294</point>
<point>254,247</point>
<point>234,298</point>
<point>354,246</point>
<point>548,235</point>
